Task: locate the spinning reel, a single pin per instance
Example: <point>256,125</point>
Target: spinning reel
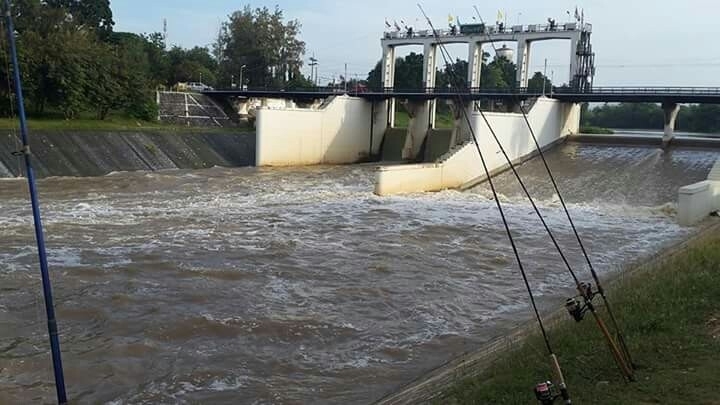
<point>546,393</point>
<point>575,308</point>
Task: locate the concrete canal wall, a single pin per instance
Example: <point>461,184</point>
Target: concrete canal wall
<point>550,120</point>
<point>97,153</point>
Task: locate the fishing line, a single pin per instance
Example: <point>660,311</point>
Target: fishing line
<point>544,391</point>
<point>593,272</point>
<point>499,206</point>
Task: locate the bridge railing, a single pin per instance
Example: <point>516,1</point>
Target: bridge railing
<point>710,91</point>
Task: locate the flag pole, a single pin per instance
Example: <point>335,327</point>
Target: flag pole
<point>25,152</point>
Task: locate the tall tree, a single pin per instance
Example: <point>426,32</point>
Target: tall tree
<point>262,45</point>
<point>94,14</point>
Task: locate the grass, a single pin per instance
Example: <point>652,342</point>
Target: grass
<point>596,131</point>
<point>442,121</point>
<point>671,319</point>
<point>115,122</point>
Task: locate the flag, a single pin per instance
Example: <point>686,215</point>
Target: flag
<point>577,13</point>
<point>500,15</point>
<point>451,19</point>
<point>387,24</point>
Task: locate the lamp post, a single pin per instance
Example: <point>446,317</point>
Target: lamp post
<point>241,76</point>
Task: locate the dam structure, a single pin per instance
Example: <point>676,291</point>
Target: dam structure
<point>309,128</point>
<point>323,126</point>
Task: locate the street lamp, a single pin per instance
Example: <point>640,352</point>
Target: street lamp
<point>241,76</point>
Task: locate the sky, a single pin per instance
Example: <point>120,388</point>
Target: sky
<point>637,42</point>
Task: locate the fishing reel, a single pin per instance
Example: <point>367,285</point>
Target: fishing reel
<point>576,309</point>
<point>547,394</point>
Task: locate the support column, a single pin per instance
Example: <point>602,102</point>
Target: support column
<point>419,113</point>
<point>523,63</point>
<point>388,77</point>
<point>429,69</point>
<point>474,64</point>
<point>671,111</point>
<point>429,76</point>
<point>574,62</point>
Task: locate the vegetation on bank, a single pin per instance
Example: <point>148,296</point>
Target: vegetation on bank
<point>73,62</point>
<point>671,317</point>
<point>112,123</point>
<point>443,120</point>
<point>692,118</point>
<point>596,131</point>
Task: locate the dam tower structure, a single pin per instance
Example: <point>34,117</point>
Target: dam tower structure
<point>331,126</point>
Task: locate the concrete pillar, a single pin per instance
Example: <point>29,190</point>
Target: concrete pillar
<point>523,63</point>
<point>388,67</point>
<point>429,66</point>
<point>574,61</point>
<point>378,125</point>
<point>429,77</point>
<point>388,75</point>
<point>419,113</point>
<point>474,64</point>
<point>671,111</point>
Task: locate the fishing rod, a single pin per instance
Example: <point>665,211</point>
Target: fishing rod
<point>600,290</point>
<point>25,152</point>
<point>544,392</point>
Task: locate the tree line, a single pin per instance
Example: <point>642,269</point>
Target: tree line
<point>74,63</point>
<point>692,118</point>
<point>498,74</point>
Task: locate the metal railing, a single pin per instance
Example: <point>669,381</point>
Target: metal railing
<point>671,91</point>
<point>491,30</point>
<point>597,91</point>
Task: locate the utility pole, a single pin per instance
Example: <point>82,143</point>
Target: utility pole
<point>241,76</point>
<point>544,77</point>
<point>313,69</point>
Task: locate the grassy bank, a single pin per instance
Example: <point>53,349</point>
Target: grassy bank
<point>596,131</point>
<point>671,317</point>
<point>54,122</point>
<point>442,121</point>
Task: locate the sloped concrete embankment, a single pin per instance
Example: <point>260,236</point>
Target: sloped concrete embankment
<point>91,153</point>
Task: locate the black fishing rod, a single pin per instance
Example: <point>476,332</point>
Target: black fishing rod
<point>587,295</point>
<point>543,391</point>
<point>25,152</point>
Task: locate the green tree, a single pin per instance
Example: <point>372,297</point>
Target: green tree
<point>264,43</point>
<point>93,14</point>
<point>539,83</point>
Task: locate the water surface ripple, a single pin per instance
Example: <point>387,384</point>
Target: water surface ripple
<point>299,285</point>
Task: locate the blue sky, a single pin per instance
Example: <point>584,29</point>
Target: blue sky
<point>637,42</point>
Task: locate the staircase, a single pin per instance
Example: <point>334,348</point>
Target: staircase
<point>191,109</point>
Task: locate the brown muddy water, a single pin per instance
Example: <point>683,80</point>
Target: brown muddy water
<point>284,286</point>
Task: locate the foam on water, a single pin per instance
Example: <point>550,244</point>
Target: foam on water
<point>299,285</point>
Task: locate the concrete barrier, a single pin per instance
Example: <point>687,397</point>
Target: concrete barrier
<point>337,132</point>
<point>550,120</point>
<point>697,201</point>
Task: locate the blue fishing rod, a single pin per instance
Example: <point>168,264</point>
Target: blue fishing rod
<point>25,152</point>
